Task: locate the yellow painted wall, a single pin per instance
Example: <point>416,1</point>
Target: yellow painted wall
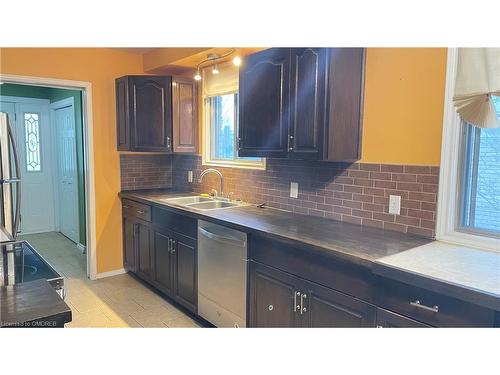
<point>404,101</point>
<point>100,66</point>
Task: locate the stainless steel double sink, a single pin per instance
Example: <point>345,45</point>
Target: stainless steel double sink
<point>203,203</point>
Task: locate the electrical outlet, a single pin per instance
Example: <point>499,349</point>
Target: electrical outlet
<point>294,190</point>
<point>395,204</point>
<point>190,176</point>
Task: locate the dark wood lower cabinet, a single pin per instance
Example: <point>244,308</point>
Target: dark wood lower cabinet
<point>161,256</point>
<point>163,261</point>
<point>128,243</point>
<point>273,295</point>
<point>279,299</point>
<point>185,271</point>
<point>389,319</point>
<point>144,251</point>
<point>289,286</point>
<point>328,308</point>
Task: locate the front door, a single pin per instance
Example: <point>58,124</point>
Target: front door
<point>67,172</point>
<point>33,138</point>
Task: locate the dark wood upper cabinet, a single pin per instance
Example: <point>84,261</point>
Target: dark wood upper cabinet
<point>307,103</point>
<point>184,115</point>
<point>156,114</point>
<point>263,104</point>
<point>302,103</point>
<point>346,81</point>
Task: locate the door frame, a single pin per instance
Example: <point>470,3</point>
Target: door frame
<point>63,103</point>
<point>88,151</point>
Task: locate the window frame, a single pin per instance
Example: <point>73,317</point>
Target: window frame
<point>208,142</point>
<point>448,223</point>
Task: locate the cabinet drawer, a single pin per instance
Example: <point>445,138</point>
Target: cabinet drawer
<point>388,319</point>
<point>429,307</point>
<point>136,209</point>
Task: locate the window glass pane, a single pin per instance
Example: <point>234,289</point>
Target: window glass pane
<point>481,201</point>
<point>223,126</point>
<point>32,139</point>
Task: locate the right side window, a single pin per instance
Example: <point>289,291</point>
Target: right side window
<point>480,182</point>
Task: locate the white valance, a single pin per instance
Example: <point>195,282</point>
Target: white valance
<point>225,82</point>
<point>478,78</point>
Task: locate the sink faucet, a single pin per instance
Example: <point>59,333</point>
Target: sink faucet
<point>218,173</point>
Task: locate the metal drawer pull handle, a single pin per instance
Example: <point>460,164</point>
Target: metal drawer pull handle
<point>125,206</point>
<point>302,308</point>
<point>140,212</point>
<point>271,307</point>
<point>417,303</point>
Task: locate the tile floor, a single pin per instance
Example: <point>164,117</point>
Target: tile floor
<point>117,301</point>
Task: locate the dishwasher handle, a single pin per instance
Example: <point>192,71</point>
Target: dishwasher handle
<point>220,238</point>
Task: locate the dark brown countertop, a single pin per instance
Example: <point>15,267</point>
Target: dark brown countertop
<point>32,304</point>
<point>350,242</point>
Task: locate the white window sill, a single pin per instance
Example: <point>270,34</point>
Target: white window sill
<point>229,164</point>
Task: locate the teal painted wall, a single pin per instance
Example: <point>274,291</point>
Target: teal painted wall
<point>55,95</point>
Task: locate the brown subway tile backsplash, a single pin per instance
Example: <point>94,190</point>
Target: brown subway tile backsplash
<point>356,193</point>
<point>142,171</point>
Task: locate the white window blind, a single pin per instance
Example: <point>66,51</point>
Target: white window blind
<point>226,82</point>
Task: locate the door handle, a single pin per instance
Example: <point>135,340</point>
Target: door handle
<point>303,309</point>
<point>168,141</point>
<point>17,213</point>
<point>173,246</point>
<point>295,305</point>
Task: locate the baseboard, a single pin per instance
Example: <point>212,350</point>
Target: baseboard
<point>81,247</point>
<point>102,275</point>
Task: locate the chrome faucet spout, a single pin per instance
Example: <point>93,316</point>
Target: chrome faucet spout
<point>218,173</point>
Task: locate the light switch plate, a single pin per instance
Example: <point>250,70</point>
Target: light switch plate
<point>395,204</point>
<point>294,190</point>
<point>190,176</point>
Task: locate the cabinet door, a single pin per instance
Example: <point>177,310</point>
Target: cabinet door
<point>329,308</point>
<point>307,102</point>
<point>273,298</point>
<point>144,259</point>
<point>122,119</point>
<point>263,104</point>
<point>150,106</point>
<point>184,115</point>
<point>388,319</point>
<point>185,271</point>
<point>129,244</point>
<point>163,261</point>
<point>345,105</point>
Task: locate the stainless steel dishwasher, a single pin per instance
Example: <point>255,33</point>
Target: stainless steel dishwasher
<point>222,275</point>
